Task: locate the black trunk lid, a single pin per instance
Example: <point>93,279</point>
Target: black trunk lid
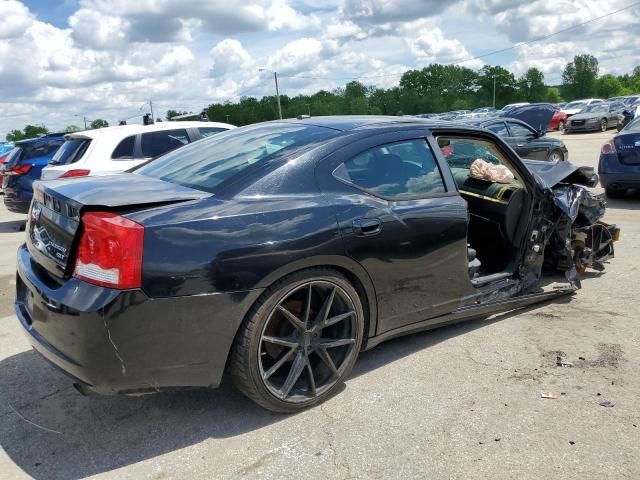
<point>54,217</point>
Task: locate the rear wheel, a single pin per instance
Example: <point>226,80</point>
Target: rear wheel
<point>603,125</point>
<point>615,192</point>
<point>299,341</point>
<point>561,126</point>
<point>556,156</point>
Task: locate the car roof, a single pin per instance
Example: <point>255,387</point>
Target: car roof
<point>351,122</point>
<point>122,131</point>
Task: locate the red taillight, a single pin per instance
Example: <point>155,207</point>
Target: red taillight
<point>75,173</point>
<point>608,148</point>
<point>19,170</point>
<point>110,251</point>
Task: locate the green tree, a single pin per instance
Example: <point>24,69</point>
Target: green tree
<point>552,95</point>
<point>71,129</point>
<point>579,77</point>
<point>98,123</point>
<point>505,85</point>
<point>29,131</point>
<point>531,86</point>
<point>608,86</point>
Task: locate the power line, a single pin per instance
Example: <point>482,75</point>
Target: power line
<point>494,52</point>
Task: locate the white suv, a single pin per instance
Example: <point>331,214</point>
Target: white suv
<point>115,149</point>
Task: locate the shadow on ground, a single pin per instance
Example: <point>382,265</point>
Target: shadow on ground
<point>99,434</point>
<point>12,226</point>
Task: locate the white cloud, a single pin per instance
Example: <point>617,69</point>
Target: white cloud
<point>16,18</point>
<point>114,55</point>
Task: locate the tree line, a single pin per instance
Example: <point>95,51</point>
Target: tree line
<point>432,89</point>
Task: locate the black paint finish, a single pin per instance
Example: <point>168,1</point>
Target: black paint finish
<point>209,255</point>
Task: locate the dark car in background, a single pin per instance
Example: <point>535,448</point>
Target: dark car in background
<point>23,166</point>
<point>619,164</point>
<point>279,251</point>
<point>595,117</point>
<point>524,128</point>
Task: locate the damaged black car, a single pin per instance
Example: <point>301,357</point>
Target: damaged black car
<point>277,252</point>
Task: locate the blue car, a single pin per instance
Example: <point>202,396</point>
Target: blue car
<point>619,166</point>
<point>23,166</point>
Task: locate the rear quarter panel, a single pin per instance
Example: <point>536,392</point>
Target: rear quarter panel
<point>211,246</point>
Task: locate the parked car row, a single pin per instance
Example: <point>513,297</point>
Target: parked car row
<point>93,152</point>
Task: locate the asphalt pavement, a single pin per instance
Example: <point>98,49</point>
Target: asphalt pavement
<point>461,402</point>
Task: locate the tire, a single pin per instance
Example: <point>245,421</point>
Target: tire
<point>561,126</point>
<point>615,192</point>
<point>281,363</point>
<point>603,125</point>
<point>555,156</point>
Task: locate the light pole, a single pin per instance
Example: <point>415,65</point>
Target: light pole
<point>275,77</point>
<point>309,108</point>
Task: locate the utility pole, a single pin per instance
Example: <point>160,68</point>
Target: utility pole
<point>275,77</point>
<point>309,108</point>
<point>494,91</point>
<point>227,118</point>
<point>151,107</point>
<point>85,122</point>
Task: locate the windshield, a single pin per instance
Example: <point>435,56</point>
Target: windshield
<point>573,105</point>
<point>71,151</point>
<point>206,164</point>
<point>597,108</point>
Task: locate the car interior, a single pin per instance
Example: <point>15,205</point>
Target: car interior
<point>495,206</point>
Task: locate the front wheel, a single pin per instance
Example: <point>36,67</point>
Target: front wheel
<point>603,125</point>
<point>556,156</point>
<point>561,126</point>
<point>299,341</point>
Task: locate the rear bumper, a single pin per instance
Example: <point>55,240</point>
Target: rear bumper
<point>17,199</point>
<point>123,341</point>
<point>619,180</point>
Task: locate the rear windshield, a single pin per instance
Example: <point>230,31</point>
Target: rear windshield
<point>571,105</point>
<point>206,164</point>
<point>28,151</point>
<point>71,151</point>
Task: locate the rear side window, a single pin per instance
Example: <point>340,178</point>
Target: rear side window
<point>208,131</point>
<point>155,144</point>
<point>518,130</point>
<point>124,150</point>
<point>398,171</point>
<point>499,129</point>
<point>71,151</point>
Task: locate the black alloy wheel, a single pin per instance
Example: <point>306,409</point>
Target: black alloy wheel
<point>300,342</point>
<point>603,125</point>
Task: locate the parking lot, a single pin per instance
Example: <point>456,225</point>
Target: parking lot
<point>459,402</point>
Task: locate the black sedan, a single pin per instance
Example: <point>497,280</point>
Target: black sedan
<point>279,251</point>
<point>596,117</point>
<point>528,142</point>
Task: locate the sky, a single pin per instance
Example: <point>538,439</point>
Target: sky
<point>64,60</point>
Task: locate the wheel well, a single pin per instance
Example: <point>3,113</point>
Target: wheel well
<point>350,276</point>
